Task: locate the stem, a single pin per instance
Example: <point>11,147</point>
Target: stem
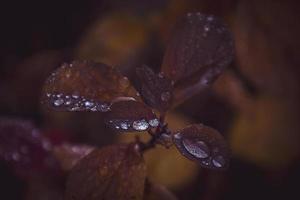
<point>156,135</point>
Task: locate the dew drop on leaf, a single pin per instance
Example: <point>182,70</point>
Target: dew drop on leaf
<point>131,116</point>
<point>218,161</point>
<point>140,125</point>
<point>154,122</point>
<point>197,148</point>
<point>203,145</point>
<point>85,86</point>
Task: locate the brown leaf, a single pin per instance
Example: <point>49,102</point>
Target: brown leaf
<point>114,172</point>
<point>204,145</point>
<point>131,116</point>
<point>86,86</point>
<point>199,50</point>
<point>69,154</point>
<point>155,89</point>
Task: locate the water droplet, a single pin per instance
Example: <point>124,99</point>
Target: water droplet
<point>15,156</point>
<point>103,107</point>
<point>197,148</point>
<point>75,109</point>
<point>48,95</point>
<point>75,96</point>
<point>68,103</point>
<point>68,74</point>
<point>124,125</point>
<point>140,125</point>
<point>154,122</point>
<point>117,127</point>
<point>88,104</point>
<point>58,102</point>
<point>59,95</point>
<point>177,136</point>
<point>210,18</point>
<point>205,162</point>
<point>165,96</point>
<point>124,82</point>
<point>218,161</point>
<point>94,109</point>
<point>206,28</point>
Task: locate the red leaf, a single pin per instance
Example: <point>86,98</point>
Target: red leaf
<point>199,49</point>
<point>156,90</point>
<point>22,145</point>
<point>204,145</point>
<point>131,116</point>
<point>86,86</point>
<point>115,172</point>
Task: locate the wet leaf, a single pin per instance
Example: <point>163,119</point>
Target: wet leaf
<point>86,86</point>
<point>162,164</point>
<point>22,145</point>
<point>155,89</point>
<point>113,172</point>
<point>199,50</point>
<point>204,145</point>
<point>69,154</point>
<point>131,116</point>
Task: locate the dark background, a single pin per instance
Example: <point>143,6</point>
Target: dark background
<point>255,103</point>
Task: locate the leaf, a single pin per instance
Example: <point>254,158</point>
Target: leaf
<point>86,86</point>
<point>204,145</point>
<point>199,49</point>
<point>156,90</point>
<point>22,145</point>
<point>114,172</point>
<point>162,164</point>
<point>131,116</point>
<point>69,154</point>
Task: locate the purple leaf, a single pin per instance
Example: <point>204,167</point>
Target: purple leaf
<point>22,145</point>
<point>155,89</point>
<point>199,49</point>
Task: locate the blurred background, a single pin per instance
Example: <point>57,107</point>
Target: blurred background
<point>254,104</point>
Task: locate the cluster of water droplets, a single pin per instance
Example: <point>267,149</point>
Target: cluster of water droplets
<point>208,20</point>
<point>76,103</point>
<point>137,125</point>
<point>202,151</point>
